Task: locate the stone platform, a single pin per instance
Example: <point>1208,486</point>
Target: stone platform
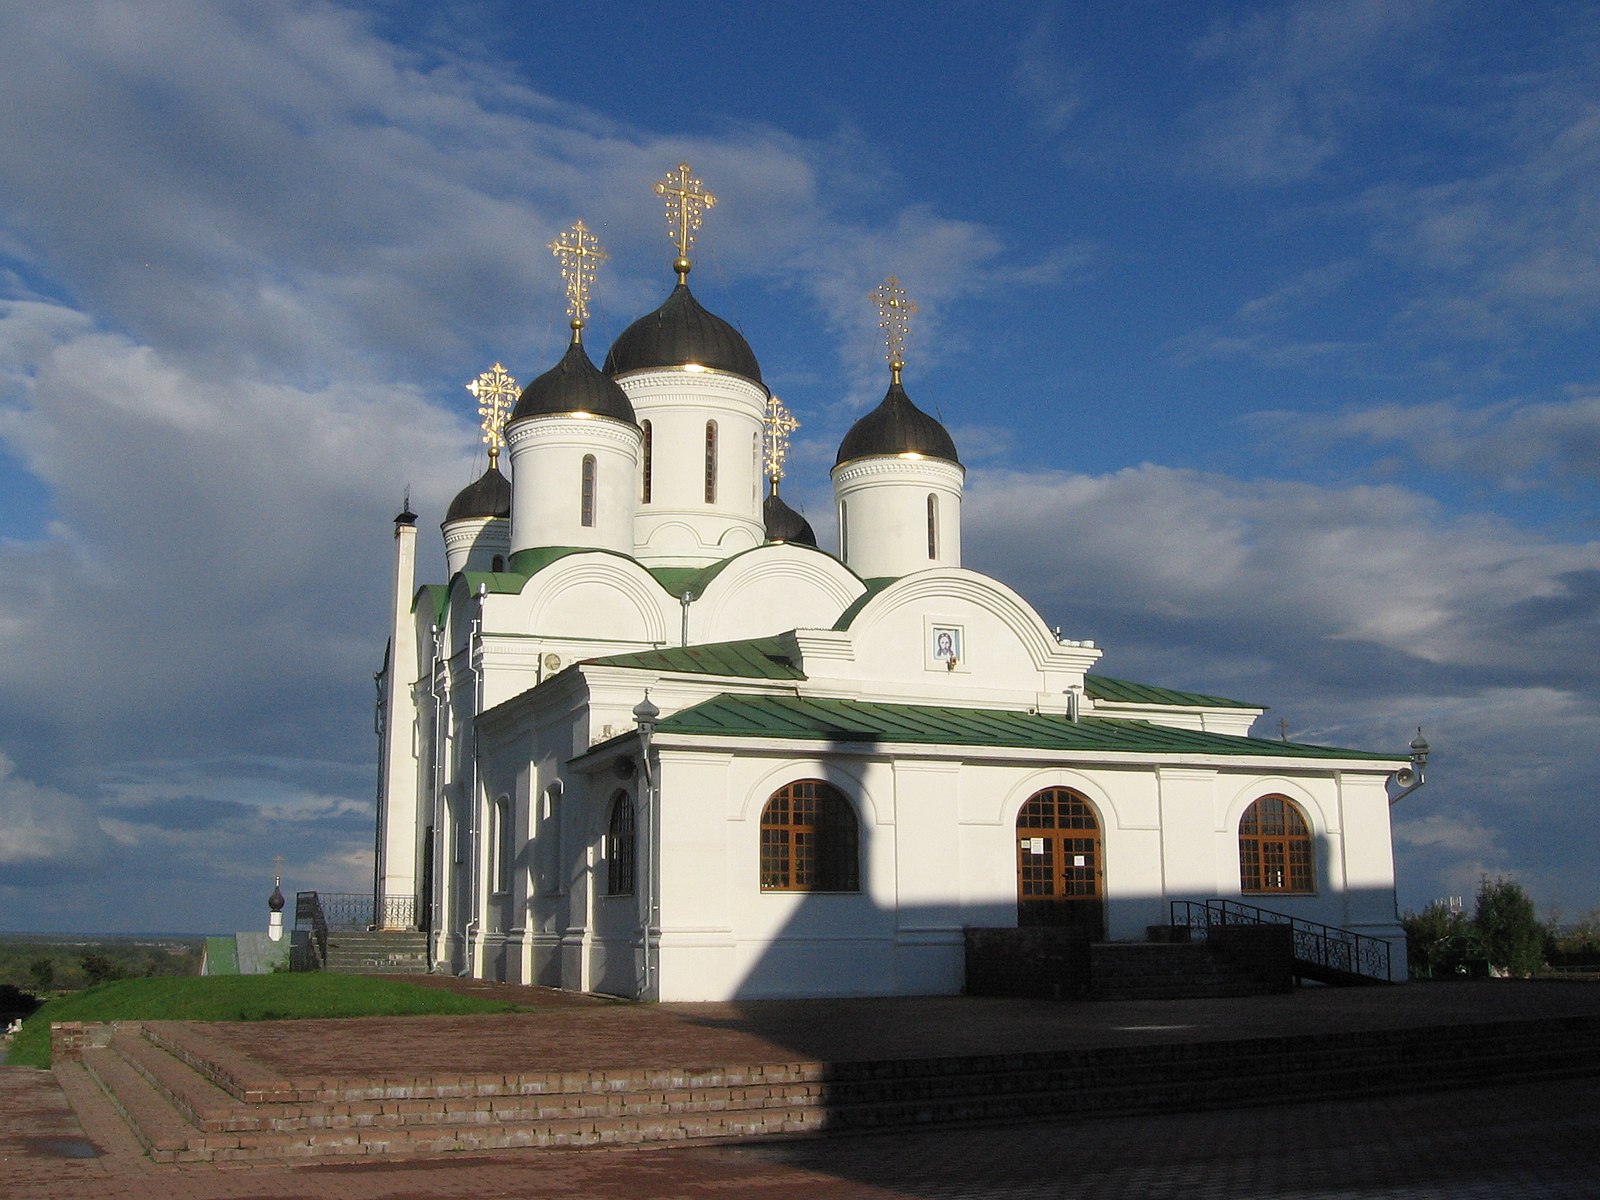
<point>578,1071</point>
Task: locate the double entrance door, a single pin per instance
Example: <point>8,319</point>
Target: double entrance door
<point>1060,876</point>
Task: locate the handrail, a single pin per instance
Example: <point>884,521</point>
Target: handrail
<point>1316,945</point>
<point>356,910</point>
<point>308,908</point>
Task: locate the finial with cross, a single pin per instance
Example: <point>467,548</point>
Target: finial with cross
<point>495,390</point>
<point>580,254</point>
<point>780,424</point>
<point>687,202</point>
<point>894,318</point>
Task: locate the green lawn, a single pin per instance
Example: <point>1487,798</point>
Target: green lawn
<point>237,998</point>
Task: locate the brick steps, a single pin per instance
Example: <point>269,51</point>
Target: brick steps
<point>185,1101</point>
<point>1166,971</point>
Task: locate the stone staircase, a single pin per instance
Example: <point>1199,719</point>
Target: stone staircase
<point>189,1098</point>
<point>377,952</point>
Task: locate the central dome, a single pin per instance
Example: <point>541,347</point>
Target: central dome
<point>678,333</point>
<point>895,427</point>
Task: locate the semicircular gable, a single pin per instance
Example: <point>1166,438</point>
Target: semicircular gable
<point>771,589</point>
<point>583,594</point>
<point>948,592</point>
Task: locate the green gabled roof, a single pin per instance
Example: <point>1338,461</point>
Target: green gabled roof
<point>857,721</point>
<point>874,586</point>
<point>431,596</point>
<point>1120,691</point>
<point>757,658</point>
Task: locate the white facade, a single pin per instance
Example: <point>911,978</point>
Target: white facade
<point>917,721</point>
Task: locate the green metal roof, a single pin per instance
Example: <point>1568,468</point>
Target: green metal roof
<point>222,956</point>
<point>858,722</point>
<point>758,658</point>
<point>874,586</point>
<point>1120,691</point>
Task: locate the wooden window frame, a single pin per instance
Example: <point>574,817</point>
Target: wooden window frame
<point>810,840</point>
<point>1276,849</point>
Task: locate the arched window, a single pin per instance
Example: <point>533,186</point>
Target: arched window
<point>1275,848</point>
<point>586,503</point>
<point>620,847</point>
<point>810,841</point>
<point>844,530</point>
<point>504,850</point>
<point>497,563</point>
<point>547,841</point>
<point>711,462</point>
<point>933,526</point>
<point>649,461</point>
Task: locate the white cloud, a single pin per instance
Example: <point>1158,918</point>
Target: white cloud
<point>43,830</point>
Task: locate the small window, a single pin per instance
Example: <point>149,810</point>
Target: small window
<point>504,849</point>
<point>497,563</point>
<point>711,462</point>
<point>620,847</point>
<point>649,460</point>
<point>933,526</point>
<point>1275,848</point>
<point>586,505</point>
<point>810,841</point>
<point>844,531</point>
<point>548,840</point>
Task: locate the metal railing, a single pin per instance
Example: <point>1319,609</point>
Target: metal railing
<point>1320,951</point>
<point>356,910</point>
<point>309,917</point>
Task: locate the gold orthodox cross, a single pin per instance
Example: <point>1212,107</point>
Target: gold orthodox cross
<point>580,254</point>
<point>495,391</point>
<point>687,202</point>
<point>775,442</point>
<point>894,318</point>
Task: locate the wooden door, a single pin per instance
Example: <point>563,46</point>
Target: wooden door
<point>1059,871</point>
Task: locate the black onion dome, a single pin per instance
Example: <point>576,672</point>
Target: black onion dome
<point>276,901</point>
<point>574,385</point>
<point>489,496</point>
<point>896,426</point>
<point>784,524</point>
<point>678,333</point>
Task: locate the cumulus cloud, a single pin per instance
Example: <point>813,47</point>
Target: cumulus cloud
<point>44,831</point>
<point>1509,445</point>
<point>1356,613</point>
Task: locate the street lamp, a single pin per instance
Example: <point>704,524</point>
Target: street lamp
<point>645,715</point>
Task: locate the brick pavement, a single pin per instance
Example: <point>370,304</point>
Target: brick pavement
<point>1530,1141</point>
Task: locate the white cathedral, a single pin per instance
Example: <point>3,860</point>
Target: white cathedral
<point>650,740</point>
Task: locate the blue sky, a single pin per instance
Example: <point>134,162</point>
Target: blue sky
<point>1266,332</point>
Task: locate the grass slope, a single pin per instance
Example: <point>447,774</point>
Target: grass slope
<point>237,998</point>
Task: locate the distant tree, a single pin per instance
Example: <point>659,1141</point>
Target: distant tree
<point>97,967</point>
<point>1440,941</point>
<point>42,974</point>
<point>1508,927</point>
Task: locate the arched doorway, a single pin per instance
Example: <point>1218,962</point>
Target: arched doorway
<point>1059,875</point>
